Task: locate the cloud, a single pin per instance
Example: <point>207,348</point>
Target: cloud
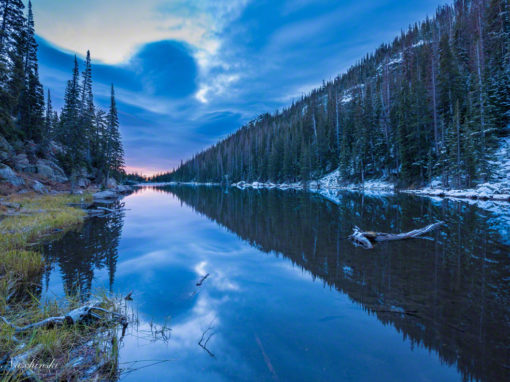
<point>190,73</point>
<point>166,68</point>
<point>113,30</point>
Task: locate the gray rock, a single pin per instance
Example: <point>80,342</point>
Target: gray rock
<point>9,176</point>
<point>44,170</point>
<point>6,150</point>
<point>105,195</point>
<point>51,170</point>
<point>84,173</point>
<point>123,188</point>
<point>55,148</point>
<point>83,182</point>
<point>39,187</point>
<point>21,162</point>
<point>112,183</point>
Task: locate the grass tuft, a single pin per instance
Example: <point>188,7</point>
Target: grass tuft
<point>25,220</point>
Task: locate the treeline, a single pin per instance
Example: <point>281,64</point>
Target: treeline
<point>85,138</point>
<point>430,104</point>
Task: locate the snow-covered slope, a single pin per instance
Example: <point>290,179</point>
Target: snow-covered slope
<point>333,181</point>
<point>498,188</point>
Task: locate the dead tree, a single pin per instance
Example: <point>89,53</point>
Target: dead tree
<point>368,239</point>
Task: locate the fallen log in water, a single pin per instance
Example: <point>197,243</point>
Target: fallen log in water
<point>367,239</point>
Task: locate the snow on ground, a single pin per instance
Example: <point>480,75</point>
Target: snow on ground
<point>328,186</point>
<point>333,181</point>
<point>498,188</point>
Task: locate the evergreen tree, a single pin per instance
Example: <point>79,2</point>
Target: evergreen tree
<point>70,132</point>
<point>31,118</point>
<point>114,149</point>
<point>48,119</point>
<point>12,41</point>
<point>87,111</point>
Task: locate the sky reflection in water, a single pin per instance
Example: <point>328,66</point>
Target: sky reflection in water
<point>269,318</point>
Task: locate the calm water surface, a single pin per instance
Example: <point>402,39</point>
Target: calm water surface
<point>288,297</point>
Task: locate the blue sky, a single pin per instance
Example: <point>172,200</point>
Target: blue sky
<point>188,73</point>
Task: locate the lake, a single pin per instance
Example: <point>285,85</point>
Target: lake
<point>288,297</point>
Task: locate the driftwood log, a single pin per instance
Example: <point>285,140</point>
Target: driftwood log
<point>82,314</point>
<point>367,239</point>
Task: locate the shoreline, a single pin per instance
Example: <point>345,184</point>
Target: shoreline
<point>28,220</point>
<point>484,193</point>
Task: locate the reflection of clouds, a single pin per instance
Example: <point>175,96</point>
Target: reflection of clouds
<point>188,360</point>
<point>146,261</point>
<point>217,278</point>
<point>200,268</point>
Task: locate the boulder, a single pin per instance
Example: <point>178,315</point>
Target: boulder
<point>38,187</point>
<point>51,170</point>
<point>105,195</point>
<point>123,188</point>
<point>45,170</point>
<point>83,182</point>
<point>112,183</point>
<point>84,173</point>
<point>21,162</point>
<point>9,176</point>
<point>55,148</point>
<point>6,150</point>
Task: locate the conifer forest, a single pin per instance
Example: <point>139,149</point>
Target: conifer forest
<point>82,139</point>
<point>430,105</point>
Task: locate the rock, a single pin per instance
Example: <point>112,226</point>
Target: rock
<point>123,188</point>
<point>105,195</point>
<point>112,183</point>
<point>44,170</point>
<point>84,173</point>
<point>38,187</point>
<point>83,182</point>
<point>51,170</point>
<point>9,176</point>
<point>6,150</point>
<point>21,162</point>
<point>55,148</point>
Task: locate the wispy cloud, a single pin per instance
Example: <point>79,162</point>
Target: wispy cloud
<point>188,73</point>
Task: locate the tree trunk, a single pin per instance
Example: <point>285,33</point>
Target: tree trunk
<point>367,239</point>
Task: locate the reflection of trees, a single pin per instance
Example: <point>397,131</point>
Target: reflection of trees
<point>450,293</point>
<point>79,253</point>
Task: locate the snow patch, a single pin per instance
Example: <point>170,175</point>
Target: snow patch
<point>497,189</point>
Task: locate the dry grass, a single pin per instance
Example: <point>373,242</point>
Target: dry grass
<point>25,220</point>
<point>34,218</point>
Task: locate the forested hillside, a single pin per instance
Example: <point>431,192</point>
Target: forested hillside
<point>433,103</point>
<point>81,144</point>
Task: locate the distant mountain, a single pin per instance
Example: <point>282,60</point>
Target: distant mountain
<point>430,104</point>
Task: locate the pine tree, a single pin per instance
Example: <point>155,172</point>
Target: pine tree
<point>48,119</point>
<point>12,40</point>
<point>114,149</point>
<point>87,110</point>
<point>32,100</point>
<point>70,132</point>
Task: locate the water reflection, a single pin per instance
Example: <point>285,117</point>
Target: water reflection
<point>277,260</point>
<point>82,252</point>
<point>449,292</point>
